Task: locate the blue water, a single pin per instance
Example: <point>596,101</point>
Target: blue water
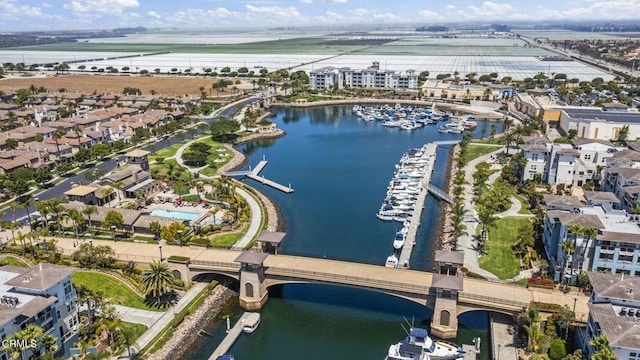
<point>182,215</point>
<point>339,167</point>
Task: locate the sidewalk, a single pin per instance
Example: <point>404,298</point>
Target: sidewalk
<point>138,316</point>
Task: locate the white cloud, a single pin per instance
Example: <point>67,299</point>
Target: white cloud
<point>275,11</point>
<point>337,1</point>
<point>450,7</point>
<point>428,14</point>
<point>154,14</point>
<point>115,7</point>
<point>10,9</point>
<point>46,5</point>
<point>490,9</point>
<point>306,1</point>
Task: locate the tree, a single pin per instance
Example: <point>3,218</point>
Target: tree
<point>42,176</point>
<point>100,150</point>
<point>623,134</point>
<point>174,232</point>
<point>88,211</point>
<point>558,350</point>
<point>602,349</point>
<point>23,340</point>
<point>59,133</point>
<point>567,248</point>
<point>155,228</point>
<point>157,279</point>
<point>11,144</point>
<point>113,219</point>
<point>83,155</point>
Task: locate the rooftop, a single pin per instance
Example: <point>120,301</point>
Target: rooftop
<point>41,277</point>
<point>137,153</point>
<point>446,282</point>
<point>273,237</point>
<point>598,114</point>
<point>81,190</point>
<point>453,257</point>
<point>250,257</point>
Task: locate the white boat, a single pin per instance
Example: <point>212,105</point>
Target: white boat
<point>390,123</point>
<point>436,350</point>
<point>398,242</point>
<point>404,351</point>
<point>251,322</point>
<point>392,261</point>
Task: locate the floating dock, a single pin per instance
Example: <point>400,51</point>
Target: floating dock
<point>254,175</point>
<point>414,221</point>
<point>233,334</point>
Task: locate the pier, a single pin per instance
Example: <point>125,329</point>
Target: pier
<point>254,174</point>
<point>232,336</point>
<point>438,193</point>
<point>414,221</point>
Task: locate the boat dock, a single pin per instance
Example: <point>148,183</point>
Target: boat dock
<point>232,335</point>
<point>414,221</point>
<point>470,352</point>
<point>502,337</point>
<point>254,174</point>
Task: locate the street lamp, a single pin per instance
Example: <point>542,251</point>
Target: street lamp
<point>180,237</point>
<point>499,348</point>
<point>91,242</point>
<point>575,299</point>
<point>160,245</point>
<point>113,232</point>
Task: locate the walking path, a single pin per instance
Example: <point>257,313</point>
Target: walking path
<point>466,242</point>
<point>138,316</point>
<point>256,220</point>
<point>167,316</point>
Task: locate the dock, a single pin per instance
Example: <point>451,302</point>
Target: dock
<point>470,352</point>
<point>414,221</point>
<point>232,335</point>
<point>254,174</point>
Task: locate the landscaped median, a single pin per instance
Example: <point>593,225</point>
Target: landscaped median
<point>118,292</point>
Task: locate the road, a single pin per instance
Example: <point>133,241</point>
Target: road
<point>109,165</point>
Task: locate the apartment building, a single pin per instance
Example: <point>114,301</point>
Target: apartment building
<point>43,295</point>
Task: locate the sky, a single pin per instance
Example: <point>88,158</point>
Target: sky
<point>30,15</point>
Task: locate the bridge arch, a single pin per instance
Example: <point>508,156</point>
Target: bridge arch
<point>465,310</point>
<point>208,275</point>
<point>423,301</point>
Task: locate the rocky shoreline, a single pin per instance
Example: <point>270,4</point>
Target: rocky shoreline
<point>184,335</point>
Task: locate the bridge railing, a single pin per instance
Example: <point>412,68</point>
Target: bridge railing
<point>493,300</point>
<point>346,279</point>
<point>223,264</point>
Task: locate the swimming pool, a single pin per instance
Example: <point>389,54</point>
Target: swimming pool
<point>175,214</point>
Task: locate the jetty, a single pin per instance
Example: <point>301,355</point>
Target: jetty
<point>234,333</point>
<point>254,174</point>
<point>414,221</point>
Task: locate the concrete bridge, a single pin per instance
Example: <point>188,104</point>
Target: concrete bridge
<point>447,296</point>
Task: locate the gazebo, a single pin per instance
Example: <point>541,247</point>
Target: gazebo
<point>270,240</point>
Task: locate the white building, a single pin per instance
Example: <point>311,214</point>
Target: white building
<point>42,295</point>
<point>597,123</point>
<point>614,312</point>
<point>372,77</point>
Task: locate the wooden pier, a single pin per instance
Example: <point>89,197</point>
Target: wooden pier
<point>414,221</point>
<point>232,336</point>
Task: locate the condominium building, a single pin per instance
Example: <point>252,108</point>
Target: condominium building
<point>614,246</point>
<point>371,77</point>
<point>42,295</point>
<point>614,312</point>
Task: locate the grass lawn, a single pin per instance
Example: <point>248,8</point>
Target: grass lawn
<point>223,156</point>
<point>165,153</point>
<point>111,287</point>
<point>191,198</point>
<point>497,140</point>
<point>499,258</point>
<point>181,190</point>
<point>475,151</point>
<point>163,170</point>
<point>13,261</point>
<point>227,240</point>
<point>525,205</point>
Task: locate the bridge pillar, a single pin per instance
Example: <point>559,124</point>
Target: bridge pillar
<point>445,313</point>
<point>180,271</point>
<point>253,291</point>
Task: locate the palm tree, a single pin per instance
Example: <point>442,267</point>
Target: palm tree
<point>567,248</point>
<point>88,210</point>
<point>157,279</point>
<point>487,219</point>
<point>49,343</point>
<point>76,216</point>
<point>59,133</point>
<point>118,185</point>
<point>602,349</point>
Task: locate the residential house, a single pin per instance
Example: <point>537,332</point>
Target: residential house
<point>42,295</point>
<point>92,194</point>
<point>614,312</point>
<point>372,77</point>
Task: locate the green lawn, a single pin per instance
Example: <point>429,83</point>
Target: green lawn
<point>111,287</point>
<point>165,153</point>
<point>227,240</point>
<point>215,154</point>
<point>475,151</point>
<point>525,205</point>
<point>163,170</point>
<point>497,140</point>
<point>13,261</point>
<point>499,258</point>
<point>181,190</point>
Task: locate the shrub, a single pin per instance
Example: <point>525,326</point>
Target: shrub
<point>558,350</point>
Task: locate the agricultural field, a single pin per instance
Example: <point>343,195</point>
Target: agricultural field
<point>573,35</point>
